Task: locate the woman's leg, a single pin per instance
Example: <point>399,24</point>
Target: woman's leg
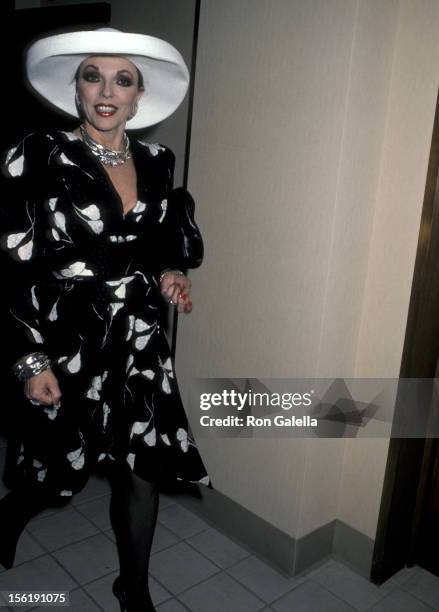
<point>16,509</point>
<point>133,513</point>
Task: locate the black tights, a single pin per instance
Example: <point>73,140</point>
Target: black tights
<point>133,513</point>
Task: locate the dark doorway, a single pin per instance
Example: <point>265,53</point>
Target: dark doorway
<point>24,112</point>
<point>408,527</point>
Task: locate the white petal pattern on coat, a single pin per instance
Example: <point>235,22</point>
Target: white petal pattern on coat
<point>139,207</point>
<point>51,412</point>
<point>35,333</point>
<point>154,147</point>
<point>71,135</point>
<point>60,220</point>
<point>15,239</point>
<point>92,212</point>
<point>52,203</point>
<point>41,475</point>
<point>34,298</point>
<point>92,216</point>
<point>150,438</point>
<point>65,160</point>
<point>183,439</point>
<point>142,341</point>
<point>15,168</point>
<point>25,251</point>
<point>94,391</point>
<point>164,207</point>
<point>76,458</point>
<point>77,268</point>
<point>138,428</point>
<point>74,365</point>
<point>167,373</point>
<point>106,410</point>
<point>165,439</point>
<point>130,460</point>
<point>53,314</point>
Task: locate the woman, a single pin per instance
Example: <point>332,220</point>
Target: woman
<point>92,228</point>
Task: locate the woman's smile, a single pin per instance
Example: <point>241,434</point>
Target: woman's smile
<point>105,110</point>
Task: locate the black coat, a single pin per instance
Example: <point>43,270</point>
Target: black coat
<point>83,288</point>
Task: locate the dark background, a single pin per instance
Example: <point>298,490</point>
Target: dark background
<point>23,111</point>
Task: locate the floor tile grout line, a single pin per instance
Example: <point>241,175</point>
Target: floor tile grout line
<point>108,537</point>
<point>409,593</point>
<point>268,603</point>
<point>46,517</point>
<point>383,594</point>
<point>92,598</point>
<point>344,600</point>
<point>214,562</point>
<point>224,535</point>
<point>185,606</point>
<point>86,584</point>
<point>179,536</point>
<point>177,595</point>
<point>65,570</point>
<point>417,597</point>
<point>91,521</point>
<point>269,566</point>
<point>184,590</point>
<point>93,535</point>
<point>87,501</point>
<point>198,551</point>
<point>251,552</point>
<point>46,551</point>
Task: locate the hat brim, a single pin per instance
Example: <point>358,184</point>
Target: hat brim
<point>51,64</point>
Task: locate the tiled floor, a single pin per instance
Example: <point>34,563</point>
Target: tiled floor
<point>193,567</point>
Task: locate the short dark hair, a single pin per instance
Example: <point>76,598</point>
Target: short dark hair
<point>140,82</point>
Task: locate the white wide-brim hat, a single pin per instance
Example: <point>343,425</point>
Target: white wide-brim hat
<point>51,64</point>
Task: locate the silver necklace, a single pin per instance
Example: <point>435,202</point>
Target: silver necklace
<point>109,157</point>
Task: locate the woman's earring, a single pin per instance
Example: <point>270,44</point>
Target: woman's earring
<point>77,100</point>
<point>134,109</point>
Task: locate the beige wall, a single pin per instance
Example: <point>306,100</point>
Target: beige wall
<point>289,122</point>
<point>393,242</point>
<point>340,482</point>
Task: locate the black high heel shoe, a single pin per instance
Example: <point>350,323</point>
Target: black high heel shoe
<point>119,593</point>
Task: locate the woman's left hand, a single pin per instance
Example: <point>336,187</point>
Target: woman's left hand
<point>176,289</point>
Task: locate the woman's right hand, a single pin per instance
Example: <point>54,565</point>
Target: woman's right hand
<point>43,388</point>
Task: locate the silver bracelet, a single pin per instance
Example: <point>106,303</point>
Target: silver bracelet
<point>31,365</point>
<point>179,272</point>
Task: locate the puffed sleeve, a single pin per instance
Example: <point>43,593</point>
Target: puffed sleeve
<point>179,244</point>
<point>22,174</point>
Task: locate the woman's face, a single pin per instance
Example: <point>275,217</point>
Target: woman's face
<point>108,88</point>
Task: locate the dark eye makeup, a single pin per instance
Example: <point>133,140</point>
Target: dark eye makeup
<point>125,81</point>
<point>92,76</point>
